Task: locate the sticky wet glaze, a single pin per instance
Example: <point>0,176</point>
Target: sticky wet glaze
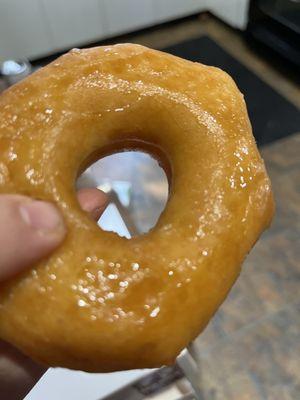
<point>102,302</point>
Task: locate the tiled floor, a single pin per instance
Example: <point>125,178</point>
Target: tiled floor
<point>251,349</point>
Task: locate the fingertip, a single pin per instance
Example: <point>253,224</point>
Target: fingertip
<point>29,231</point>
<point>93,201</point>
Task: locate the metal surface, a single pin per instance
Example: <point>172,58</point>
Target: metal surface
<point>183,376</point>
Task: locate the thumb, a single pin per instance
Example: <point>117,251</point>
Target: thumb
<point>29,230</point>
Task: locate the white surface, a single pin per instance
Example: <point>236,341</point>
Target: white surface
<point>23,31</point>
<point>111,221</point>
<point>63,384</point>
<point>168,9</point>
<point>234,12</point>
<point>242,16</point>
<point>74,22</point>
<point>35,28</point>
<point>127,15</point>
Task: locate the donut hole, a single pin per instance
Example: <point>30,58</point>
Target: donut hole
<point>137,187</point>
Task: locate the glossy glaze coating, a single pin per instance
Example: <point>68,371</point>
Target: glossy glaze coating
<point>101,302</point>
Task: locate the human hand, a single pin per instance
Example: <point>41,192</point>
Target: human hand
<point>29,231</point>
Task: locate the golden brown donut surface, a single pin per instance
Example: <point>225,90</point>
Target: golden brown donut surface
<point>102,302</point>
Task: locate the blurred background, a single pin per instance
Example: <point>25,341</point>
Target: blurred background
<point>251,348</point>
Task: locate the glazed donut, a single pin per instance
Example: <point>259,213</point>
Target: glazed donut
<point>101,302</point>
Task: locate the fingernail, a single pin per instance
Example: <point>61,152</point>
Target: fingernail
<point>41,216</point>
<point>96,213</point>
